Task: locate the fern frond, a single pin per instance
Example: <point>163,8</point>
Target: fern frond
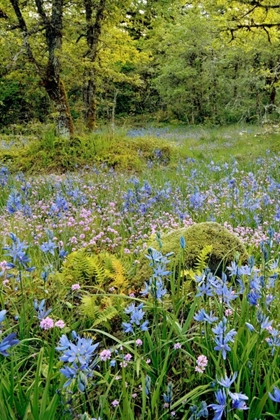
<point>202,259</point>
<point>99,272</point>
<point>106,315</point>
<point>120,282</point>
<point>95,269</point>
<point>79,267</point>
<point>99,309</point>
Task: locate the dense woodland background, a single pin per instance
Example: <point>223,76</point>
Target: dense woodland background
<point>80,62</point>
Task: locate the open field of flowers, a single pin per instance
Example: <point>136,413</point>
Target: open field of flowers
<point>80,339</point>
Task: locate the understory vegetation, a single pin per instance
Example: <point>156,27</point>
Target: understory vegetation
<point>80,337</point>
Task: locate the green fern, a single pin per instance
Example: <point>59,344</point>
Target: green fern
<point>98,274</point>
<point>99,309</point>
<point>202,259</point>
<point>80,267</point>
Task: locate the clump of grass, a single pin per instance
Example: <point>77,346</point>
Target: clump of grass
<point>51,154</point>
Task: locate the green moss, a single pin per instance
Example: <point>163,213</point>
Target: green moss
<point>225,247</point>
<point>53,154</point>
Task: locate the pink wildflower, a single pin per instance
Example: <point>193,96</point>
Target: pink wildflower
<point>123,364</point>
<point>105,355</point>
<point>60,324</point>
<point>228,312</point>
<point>177,346</point>
<point>201,362</point>
<point>75,286</point>
<point>47,323</point>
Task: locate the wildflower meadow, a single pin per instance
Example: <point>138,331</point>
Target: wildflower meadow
<point>81,339</point>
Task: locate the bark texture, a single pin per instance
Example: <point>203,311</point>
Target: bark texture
<point>93,33</point>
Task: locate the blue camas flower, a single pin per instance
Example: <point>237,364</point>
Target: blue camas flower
<point>41,309</point>
<point>203,316</point>
<point>49,246</point>
<point>221,406</point>
<point>227,382</point>
<point>81,358</point>
<point>147,385</point>
<point>276,395</point>
<point>223,338</point>
<point>199,411</point>
<point>17,252</point>
<point>8,342</point>
<point>2,315</point>
<point>136,317</point>
<point>155,288</point>
<point>167,397</point>
<point>238,401</point>
<point>136,313</point>
<point>81,352</point>
<point>14,202</point>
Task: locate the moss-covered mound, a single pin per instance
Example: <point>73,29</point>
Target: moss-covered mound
<point>225,247</point>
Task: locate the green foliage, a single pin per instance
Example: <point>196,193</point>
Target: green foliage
<point>37,401</point>
<point>211,67</point>
<point>21,100</point>
<point>53,154</point>
<point>203,79</point>
<point>208,241</point>
<point>81,267</point>
<point>98,275</point>
<point>202,259</point>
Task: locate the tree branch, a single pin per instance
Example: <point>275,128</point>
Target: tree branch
<point>79,38</point>
<point>257,25</point>
<point>257,3</point>
<point>23,28</point>
<point>41,11</point>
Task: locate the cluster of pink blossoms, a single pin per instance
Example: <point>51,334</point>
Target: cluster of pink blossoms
<point>75,287</point>
<point>48,323</point>
<point>105,355</point>
<point>201,363</point>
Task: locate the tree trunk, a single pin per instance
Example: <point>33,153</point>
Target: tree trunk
<point>59,100</point>
<point>89,97</point>
<point>93,38</point>
<point>50,75</point>
<point>114,109</point>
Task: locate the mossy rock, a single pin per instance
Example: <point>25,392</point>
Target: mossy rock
<point>225,247</point>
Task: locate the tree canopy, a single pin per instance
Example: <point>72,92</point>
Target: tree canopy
<point>76,62</point>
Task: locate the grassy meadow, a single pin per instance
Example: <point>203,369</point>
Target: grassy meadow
<point>80,337</point>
